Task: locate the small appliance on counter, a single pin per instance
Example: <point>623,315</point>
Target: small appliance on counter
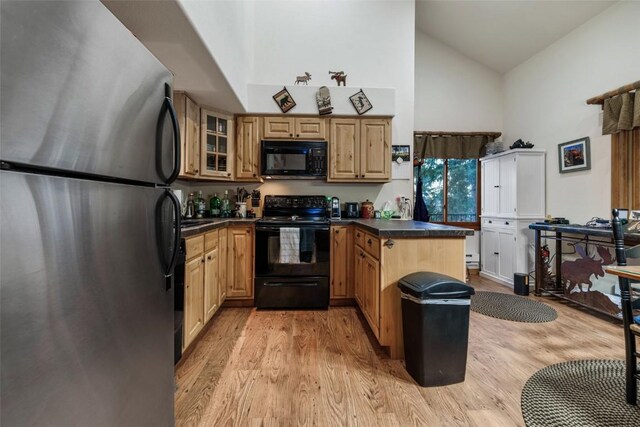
<point>335,208</point>
<point>352,210</point>
<point>366,210</point>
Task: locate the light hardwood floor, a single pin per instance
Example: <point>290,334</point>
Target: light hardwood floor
<point>255,368</point>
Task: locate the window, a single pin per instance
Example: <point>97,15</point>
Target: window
<point>450,190</point>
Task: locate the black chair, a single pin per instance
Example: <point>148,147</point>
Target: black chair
<point>631,329</point>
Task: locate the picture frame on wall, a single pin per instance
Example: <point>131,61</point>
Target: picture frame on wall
<point>360,102</point>
<point>574,156</point>
<point>284,100</point>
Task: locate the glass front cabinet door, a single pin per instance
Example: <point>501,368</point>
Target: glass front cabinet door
<point>217,146</point>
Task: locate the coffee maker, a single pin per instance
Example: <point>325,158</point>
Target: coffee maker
<point>335,208</point>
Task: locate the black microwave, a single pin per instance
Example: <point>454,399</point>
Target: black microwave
<point>294,159</point>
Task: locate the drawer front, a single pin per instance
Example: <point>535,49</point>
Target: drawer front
<point>498,222</point>
<point>360,237</point>
<point>372,245</point>
<point>211,240</point>
<point>194,246</point>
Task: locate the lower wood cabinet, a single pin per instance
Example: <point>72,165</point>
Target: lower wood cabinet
<point>222,275</point>
<point>367,284</point>
<point>193,299</point>
<point>211,276</point>
<point>240,262</point>
<point>342,248</point>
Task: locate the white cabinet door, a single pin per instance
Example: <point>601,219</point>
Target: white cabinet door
<point>507,185</point>
<point>489,251</point>
<point>507,251</point>
<point>490,187</point>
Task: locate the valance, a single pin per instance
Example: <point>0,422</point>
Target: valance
<point>450,146</point>
<point>621,112</point>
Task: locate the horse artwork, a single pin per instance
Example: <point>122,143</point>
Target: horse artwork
<point>304,79</point>
<point>339,77</point>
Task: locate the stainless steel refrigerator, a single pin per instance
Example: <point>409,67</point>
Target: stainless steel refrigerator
<point>89,230</point>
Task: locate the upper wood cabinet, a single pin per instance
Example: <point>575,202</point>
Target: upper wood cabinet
<point>216,148</point>
<point>294,127</point>
<point>248,149</point>
<point>360,150</point>
<point>240,262</point>
<point>189,121</point>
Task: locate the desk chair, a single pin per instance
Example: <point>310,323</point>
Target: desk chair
<point>631,329</point>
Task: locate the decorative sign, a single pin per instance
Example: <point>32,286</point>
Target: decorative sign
<point>284,100</point>
<point>360,102</point>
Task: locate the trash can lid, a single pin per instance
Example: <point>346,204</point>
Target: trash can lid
<point>429,285</point>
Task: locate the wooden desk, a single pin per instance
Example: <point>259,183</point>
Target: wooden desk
<point>631,272</point>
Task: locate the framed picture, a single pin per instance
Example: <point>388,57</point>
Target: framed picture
<point>284,100</point>
<point>574,155</point>
<point>400,153</point>
<point>360,102</point>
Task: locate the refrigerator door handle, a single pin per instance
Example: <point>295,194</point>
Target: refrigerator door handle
<point>177,212</point>
<point>167,106</point>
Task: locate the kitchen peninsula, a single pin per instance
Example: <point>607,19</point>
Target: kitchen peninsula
<point>367,259</point>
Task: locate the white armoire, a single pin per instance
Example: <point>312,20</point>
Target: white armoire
<point>512,197</point>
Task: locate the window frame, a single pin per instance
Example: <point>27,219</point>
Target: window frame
<point>445,173</point>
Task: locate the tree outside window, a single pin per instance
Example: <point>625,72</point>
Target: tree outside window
<point>450,191</point>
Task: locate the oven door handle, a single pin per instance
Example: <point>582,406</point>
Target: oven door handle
<point>299,284</point>
<point>315,228</point>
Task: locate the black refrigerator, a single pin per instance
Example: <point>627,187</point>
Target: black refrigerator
<point>89,230</point>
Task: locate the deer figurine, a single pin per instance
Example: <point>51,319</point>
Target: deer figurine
<point>304,79</point>
<point>339,77</point>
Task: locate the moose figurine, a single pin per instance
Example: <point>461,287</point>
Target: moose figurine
<point>339,77</point>
<point>304,79</point>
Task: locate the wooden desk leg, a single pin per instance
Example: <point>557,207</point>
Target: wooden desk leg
<point>559,261</point>
<point>538,259</point>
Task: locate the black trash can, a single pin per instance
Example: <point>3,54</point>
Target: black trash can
<point>435,327</point>
<point>521,284</point>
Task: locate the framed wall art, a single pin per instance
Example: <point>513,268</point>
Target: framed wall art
<point>574,155</point>
<point>284,100</point>
<point>360,102</point>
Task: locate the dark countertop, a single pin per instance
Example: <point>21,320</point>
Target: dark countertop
<point>584,230</point>
<point>404,228</point>
<point>208,224</point>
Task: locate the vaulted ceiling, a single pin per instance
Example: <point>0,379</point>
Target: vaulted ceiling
<point>503,34</point>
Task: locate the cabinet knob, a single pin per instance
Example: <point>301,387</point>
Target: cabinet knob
<point>248,231</point>
<point>209,257</point>
<point>362,175</point>
<point>496,186</point>
<point>254,175</point>
<point>290,134</point>
<point>202,260</point>
<point>506,222</point>
<point>297,134</point>
<point>197,171</point>
<point>337,231</point>
<point>490,222</point>
<point>496,253</point>
<point>357,234</point>
<point>229,174</point>
<point>369,242</point>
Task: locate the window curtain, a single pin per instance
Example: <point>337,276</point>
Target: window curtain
<point>450,146</point>
<point>621,113</point>
<point>625,169</point>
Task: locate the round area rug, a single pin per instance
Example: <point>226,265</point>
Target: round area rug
<point>511,307</point>
<point>579,393</point>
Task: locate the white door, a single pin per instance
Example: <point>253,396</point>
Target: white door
<point>507,185</point>
<point>489,249</point>
<point>490,188</point>
<point>507,251</point>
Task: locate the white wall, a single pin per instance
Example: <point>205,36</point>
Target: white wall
<point>544,102</point>
<point>453,92</point>
<point>226,28</point>
<point>372,42</point>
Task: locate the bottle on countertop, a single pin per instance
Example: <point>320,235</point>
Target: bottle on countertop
<point>214,205</point>
<point>201,206</point>
<point>225,206</point>
<point>191,206</point>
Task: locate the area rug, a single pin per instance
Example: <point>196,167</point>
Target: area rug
<point>579,393</point>
<point>511,307</point>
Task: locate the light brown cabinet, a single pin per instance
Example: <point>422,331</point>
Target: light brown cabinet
<point>222,275</point>
<point>341,262</point>
<point>216,148</point>
<point>360,150</point>
<point>240,262</point>
<point>294,127</point>
<point>189,121</point>
<point>211,275</point>
<point>193,299</point>
<point>367,278</point>
<point>247,164</point>
<point>358,276</point>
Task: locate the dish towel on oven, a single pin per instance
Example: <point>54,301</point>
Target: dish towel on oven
<point>307,239</point>
<point>289,245</point>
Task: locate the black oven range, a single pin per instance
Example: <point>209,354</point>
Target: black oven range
<point>292,253</point>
